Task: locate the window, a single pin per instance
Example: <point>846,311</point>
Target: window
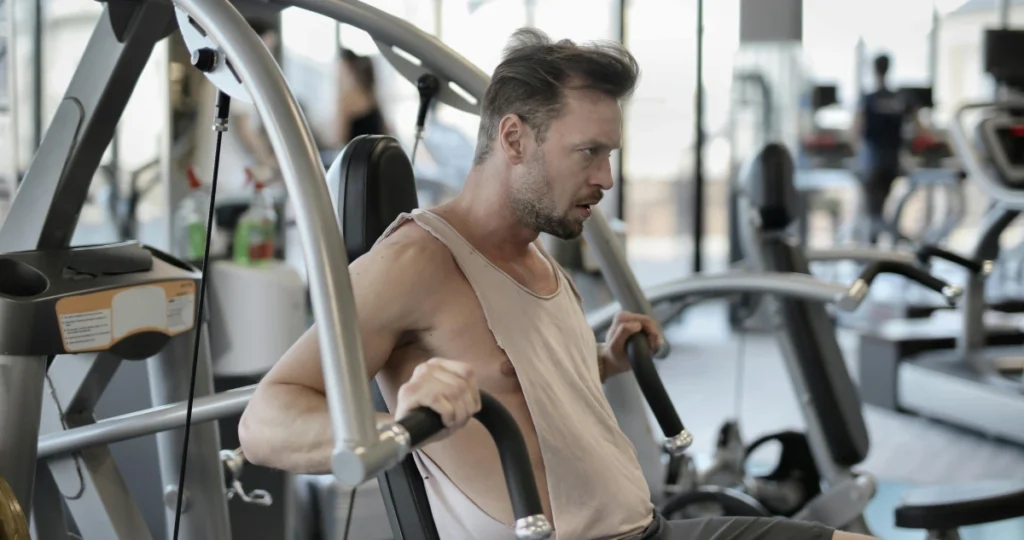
<point>658,137</point>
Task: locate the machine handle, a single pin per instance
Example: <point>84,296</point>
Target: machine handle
<point>928,251</point>
<point>638,351</point>
<point>531,524</point>
<point>950,292</point>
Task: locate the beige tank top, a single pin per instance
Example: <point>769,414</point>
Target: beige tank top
<point>595,483</point>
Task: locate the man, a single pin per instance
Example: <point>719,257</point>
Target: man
<point>463,298</point>
<point>878,137</point>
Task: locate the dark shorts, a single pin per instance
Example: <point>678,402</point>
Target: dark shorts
<point>736,528</point>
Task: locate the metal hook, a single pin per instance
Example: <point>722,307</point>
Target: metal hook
<point>234,460</point>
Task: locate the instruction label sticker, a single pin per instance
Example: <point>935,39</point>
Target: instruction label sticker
<point>94,322</point>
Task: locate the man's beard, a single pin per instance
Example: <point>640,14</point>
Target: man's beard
<point>533,204</point>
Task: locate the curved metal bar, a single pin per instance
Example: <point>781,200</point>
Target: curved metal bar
<point>394,32</point>
<point>859,254</point>
<point>345,376</point>
<point>793,285</point>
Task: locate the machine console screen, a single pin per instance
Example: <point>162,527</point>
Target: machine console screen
<point>1003,138</point>
<point>1011,139</point>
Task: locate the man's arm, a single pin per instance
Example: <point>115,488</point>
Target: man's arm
<point>286,424</point>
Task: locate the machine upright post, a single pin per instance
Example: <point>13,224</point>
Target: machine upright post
<point>204,512</point>
<point>45,210</point>
<point>21,402</point>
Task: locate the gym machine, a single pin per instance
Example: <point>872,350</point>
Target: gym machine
<point>723,484</point>
<point>73,314</point>
<point>837,434</point>
<point>978,384</point>
<point>931,167</point>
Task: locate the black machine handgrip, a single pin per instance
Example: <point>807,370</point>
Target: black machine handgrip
<point>911,272</point>
<point>423,423</point>
<point>927,251</point>
<point>638,350</point>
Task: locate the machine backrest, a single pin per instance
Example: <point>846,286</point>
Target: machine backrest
<point>372,183</point>
<point>806,325</point>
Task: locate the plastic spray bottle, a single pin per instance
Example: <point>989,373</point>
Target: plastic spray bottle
<point>190,220</point>
<point>256,232</point>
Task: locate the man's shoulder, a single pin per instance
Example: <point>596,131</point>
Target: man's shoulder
<point>410,249</point>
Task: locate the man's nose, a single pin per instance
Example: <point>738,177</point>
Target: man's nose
<point>602,175</point>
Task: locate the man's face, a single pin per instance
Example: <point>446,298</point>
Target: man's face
<point>559,181</point>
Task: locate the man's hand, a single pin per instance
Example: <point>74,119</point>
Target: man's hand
<point>446,386</point>
<point>613,355</point>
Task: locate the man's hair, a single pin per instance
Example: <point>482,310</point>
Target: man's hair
<point>882,62</point>
<point>534,73</point>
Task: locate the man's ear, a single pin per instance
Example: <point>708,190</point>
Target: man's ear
<point>512,134</point>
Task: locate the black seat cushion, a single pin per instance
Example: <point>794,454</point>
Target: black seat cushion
<point>813,335</point>
<point>950,507</point>
<point>373,183</point>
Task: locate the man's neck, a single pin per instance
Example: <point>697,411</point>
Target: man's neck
<point>484,215</point>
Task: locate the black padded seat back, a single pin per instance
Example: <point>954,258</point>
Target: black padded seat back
<point>812,334</point>
<point>771,193</point>
<point>372,183</point>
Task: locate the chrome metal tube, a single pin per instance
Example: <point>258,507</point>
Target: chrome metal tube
<point>384,27</point>
<point>792,285</point>
<point>21,393</point>
<point>206,513</point>
<point>861,255</point>
<point>611,257</point>
<point>345,375</point>
<point>147,422</point>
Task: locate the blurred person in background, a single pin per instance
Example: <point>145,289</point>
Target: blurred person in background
<point>359,112</point>
<point>878,141</point>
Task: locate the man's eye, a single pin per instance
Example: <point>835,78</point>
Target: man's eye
<point>592,151</point>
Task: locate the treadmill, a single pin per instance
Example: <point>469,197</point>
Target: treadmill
<point>978,384</point>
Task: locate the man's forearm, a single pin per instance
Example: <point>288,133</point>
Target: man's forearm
<point>288,427</point>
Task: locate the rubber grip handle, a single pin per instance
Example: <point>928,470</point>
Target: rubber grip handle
<point>911,272</point>
<point>423,423</point>
<point>927,251</point>
<point>638,351</point>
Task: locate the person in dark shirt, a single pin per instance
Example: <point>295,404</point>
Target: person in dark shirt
<point>878,139</point>
<point>359,112</point>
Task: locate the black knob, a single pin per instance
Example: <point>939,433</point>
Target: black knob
<point>204,59</point>
<point>428,86</point>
